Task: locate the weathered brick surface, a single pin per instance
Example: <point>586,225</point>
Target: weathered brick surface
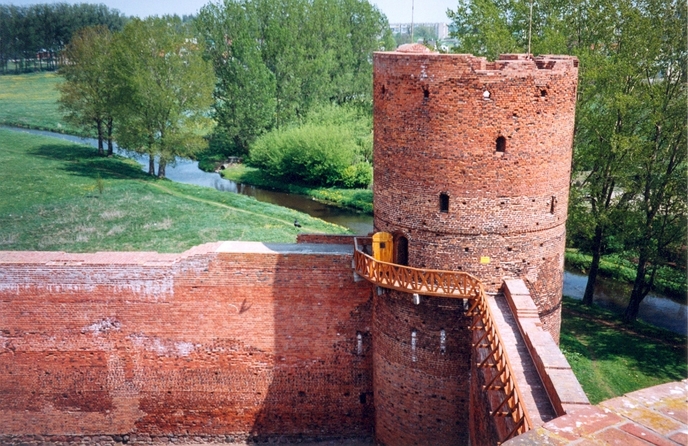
<point>245,344</point>
<point>437,120</point>
<point>421,382</point>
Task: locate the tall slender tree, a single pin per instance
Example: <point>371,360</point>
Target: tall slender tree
<point>87,96</point>
<point>165,89</point>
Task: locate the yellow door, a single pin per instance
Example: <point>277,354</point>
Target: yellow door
<point>383,249</point>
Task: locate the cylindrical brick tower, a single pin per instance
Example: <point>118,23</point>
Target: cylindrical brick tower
<point>472,168</point>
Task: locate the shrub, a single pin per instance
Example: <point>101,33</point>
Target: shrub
<point>332,147</point>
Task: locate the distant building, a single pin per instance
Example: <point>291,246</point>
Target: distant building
<point>441,29</point>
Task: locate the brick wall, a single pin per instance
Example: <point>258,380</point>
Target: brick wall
<point>421,376</point>
<point>247,340</point>
<point>438,120</point>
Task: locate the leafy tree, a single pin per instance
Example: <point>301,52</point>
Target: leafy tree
<point>165,90</point>
<point>289,56</point>
<point>659,173</point>
<point>87,95</point>
<point>245,90</point>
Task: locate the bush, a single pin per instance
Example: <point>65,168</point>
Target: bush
<point>331,148</point>
<point>357,176</point>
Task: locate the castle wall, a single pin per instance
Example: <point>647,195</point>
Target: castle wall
<point>421,374</point>
<point>233,340</point>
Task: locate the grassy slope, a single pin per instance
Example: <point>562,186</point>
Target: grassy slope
<point>50,201</point>
<point>30,100</point>
<point>610,358</point>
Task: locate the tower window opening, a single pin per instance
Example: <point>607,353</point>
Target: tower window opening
<point>443,341</point>
<point>552,203</point>
<point>414,342</point>
<point>543,93</point>
<point>359,344</point>
<point>444,202</point>
<point>426,93</point>
<point>501,144</point>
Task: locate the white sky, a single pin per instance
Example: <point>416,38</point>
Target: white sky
<point>397,11</point>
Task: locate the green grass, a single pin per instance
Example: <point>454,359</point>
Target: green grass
<point>358,199</point>
<point>669,280</point>
<point>30,100</point>
<point>610,358</point>
<point>51,201</point>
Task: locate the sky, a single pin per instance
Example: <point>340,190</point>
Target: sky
<point>397,11</point>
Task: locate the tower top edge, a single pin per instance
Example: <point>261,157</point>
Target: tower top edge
<point>505,62</point>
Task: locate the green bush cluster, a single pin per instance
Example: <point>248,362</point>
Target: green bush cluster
<point>331,148</point>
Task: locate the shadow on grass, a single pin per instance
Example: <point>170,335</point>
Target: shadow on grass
<point>85,162</point>
<point>602,336</point>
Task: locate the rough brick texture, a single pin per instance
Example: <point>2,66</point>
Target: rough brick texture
<point>472,161</point>
<point>421,380</point>
<point>211,342</point>
<point>438,119</point>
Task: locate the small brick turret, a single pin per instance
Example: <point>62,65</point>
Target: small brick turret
<point>472,168</point>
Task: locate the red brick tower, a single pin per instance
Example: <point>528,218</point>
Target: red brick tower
<point>472,168</point>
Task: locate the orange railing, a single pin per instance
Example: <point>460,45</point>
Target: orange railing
<point>428,282</point>
<point>463,286</point>
<point>490,354</point>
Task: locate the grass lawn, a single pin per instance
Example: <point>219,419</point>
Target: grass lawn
<point>610,358</point>
<point>51,200</point>
<point>30,100</point>
<point>360,199</point>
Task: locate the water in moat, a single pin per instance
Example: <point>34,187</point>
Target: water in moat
<point>656,309</point>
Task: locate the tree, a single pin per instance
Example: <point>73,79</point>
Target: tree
<point>660,191</point>
<point>87,95</point>
<point>36,34</point>
<point>165,89</point>
<point>245,90</point>
<point>288,56</point>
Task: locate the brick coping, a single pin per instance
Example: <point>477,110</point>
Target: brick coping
<point>155,258</point>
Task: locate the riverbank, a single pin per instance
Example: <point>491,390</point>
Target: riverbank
<point>63,196</point>
<point>611,358</point>
<point>669,280</point>
<point>358,199</point>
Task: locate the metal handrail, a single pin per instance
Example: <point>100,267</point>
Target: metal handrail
<point>454,285</point>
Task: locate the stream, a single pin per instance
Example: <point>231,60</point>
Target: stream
<point>655,309</point>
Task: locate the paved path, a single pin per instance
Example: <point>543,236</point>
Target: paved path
<point>653,416</point>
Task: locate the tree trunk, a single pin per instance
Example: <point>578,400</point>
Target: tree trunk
<point>594,265</point>
<point>161,167</point>
<point>109,137</point>
<point>99,127</point>
<point>640,289</point>
<point>151,164</point>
